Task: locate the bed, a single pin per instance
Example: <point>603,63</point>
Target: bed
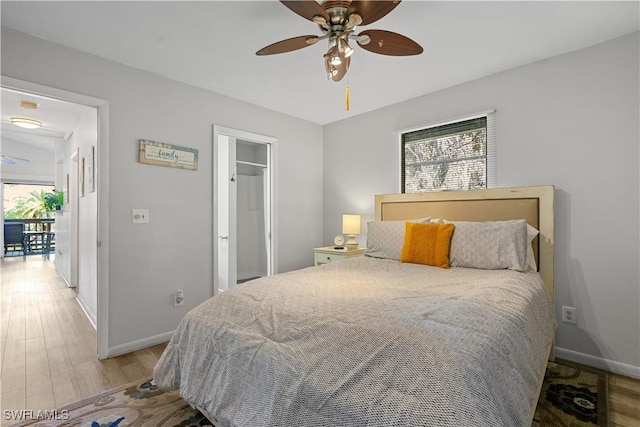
<point>372,341</point>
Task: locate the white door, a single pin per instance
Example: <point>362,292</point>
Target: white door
<point>225,187</point>
<point>226,219</point>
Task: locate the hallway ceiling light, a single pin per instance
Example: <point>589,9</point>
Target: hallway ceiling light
<point>25,122</point>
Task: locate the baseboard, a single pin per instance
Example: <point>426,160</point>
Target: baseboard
<point>139,344</point>
<point>599,362</point>
<point>66,280</point>
<point>92,317</point>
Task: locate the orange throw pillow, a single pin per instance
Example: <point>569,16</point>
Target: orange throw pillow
<point>427,244</point>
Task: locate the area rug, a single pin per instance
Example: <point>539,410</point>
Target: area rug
<point>572,396</point>
<point>138,404</point>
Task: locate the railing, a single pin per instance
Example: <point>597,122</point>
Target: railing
<point>40,243</point>
<point>35,224</point>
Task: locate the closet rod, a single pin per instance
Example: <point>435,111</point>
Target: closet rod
<point>251,164</point>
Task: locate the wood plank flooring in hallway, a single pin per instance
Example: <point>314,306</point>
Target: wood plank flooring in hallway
<point>48,346</point>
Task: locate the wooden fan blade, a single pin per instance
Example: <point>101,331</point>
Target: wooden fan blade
<point>390,43</point>
<point>371,11</point>
<point>307,9</point>
<point>342,69</point>
<point>288,45</point>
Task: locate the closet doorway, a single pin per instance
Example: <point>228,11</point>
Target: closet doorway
<point>244,206</point>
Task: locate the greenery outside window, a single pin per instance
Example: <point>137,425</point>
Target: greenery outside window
<point>26,201</point>
<point>454,156</point>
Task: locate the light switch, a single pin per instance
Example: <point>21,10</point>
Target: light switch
<point>140,216</point>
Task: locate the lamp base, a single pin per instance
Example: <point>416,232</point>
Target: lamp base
<point>351,243</point>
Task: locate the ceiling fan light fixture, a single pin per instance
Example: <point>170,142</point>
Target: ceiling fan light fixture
<point>26,122</point>
<point>344,47</point>
<point>337,21</point>
<point>329,67</point>
<point>334,56</point>
<point>327,64</point>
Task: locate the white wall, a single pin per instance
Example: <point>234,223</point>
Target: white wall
<point>84,137</point>
<point>148,262</point>
<point>39,169</point>
<point>570,121</point>
<point>62,258</point>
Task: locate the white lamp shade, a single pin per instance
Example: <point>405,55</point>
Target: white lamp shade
<point>351,224</point>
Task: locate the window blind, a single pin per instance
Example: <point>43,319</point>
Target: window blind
<point>455,156</point>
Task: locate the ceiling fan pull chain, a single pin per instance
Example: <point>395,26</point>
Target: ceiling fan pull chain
<point>346,97</point>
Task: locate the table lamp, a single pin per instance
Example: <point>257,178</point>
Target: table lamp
<point>351,227</point>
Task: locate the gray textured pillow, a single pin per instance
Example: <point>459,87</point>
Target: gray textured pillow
<point>490,245</point>
<point>385,239</point>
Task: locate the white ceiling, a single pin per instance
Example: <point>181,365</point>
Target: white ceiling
<point>212,45</point>
<point>59,119</point>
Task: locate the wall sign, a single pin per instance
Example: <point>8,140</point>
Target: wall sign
<point>174,156</point>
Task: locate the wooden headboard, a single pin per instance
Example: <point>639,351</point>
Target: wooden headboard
<point>535,204</point>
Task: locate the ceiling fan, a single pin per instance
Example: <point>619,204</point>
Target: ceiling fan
<point>338,21</point>
<point>10,160</point>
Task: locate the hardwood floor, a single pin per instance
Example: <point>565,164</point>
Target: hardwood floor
<point>624,401</point>
<point>48,348</point>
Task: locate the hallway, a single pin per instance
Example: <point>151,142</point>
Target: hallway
<point>47,344</point>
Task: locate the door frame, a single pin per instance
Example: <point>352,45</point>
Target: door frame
<point>102,189</point>
<point>237,134</point>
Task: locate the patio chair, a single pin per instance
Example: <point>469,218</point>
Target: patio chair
<point>14,236</point>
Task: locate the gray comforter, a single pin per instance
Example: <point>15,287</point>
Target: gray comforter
<point>366,342</point>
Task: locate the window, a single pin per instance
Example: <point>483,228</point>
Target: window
<point>453,156</point>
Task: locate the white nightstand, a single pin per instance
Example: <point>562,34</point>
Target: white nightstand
<point>328,253</point>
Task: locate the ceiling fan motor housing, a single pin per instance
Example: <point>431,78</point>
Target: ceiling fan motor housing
<point>337,11</point>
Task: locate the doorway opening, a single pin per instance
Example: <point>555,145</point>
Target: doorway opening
<point>244,200</point>
<point>25,210</point>
<point>75,126</point>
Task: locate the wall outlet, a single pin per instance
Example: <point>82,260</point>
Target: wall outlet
<point>569,314</point>
<point>178,298</point>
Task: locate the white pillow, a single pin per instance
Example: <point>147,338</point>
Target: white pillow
<point>490,245</point>
<point>385,239</point>
<point>532,232</point>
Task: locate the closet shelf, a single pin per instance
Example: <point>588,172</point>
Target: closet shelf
<point>242,162</point>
